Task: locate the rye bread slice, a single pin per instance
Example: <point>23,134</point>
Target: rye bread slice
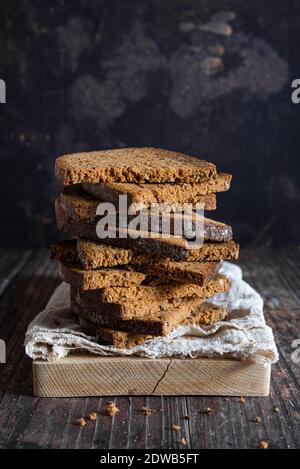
<point>65,251</point>
<point>82,206</point>
<point>143,305</point>
<point>82,209</point>
<point>189,312</point>
<point>141,195</point>
<point>99,278</point>
<point>205,315</point>
<point>198,273</point>
<point>174,289</point>
<point>107,336</point>
<point>131,165</point>
<point>94,255</point>
<point>174,247</point>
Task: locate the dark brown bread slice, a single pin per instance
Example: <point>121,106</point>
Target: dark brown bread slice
<point>205,315</point>
<point>82,206</point>
<point>100,278</point>
<point>190,312</point>
<point>131,165</point>
<point>174,247</point>
<point>118,339</point>
<point>166,247</point>
<point>198,273</point>
<point>94,255</point>
<point>145,194</point>
<point>143,305</point>
<point>65,251</point>
<point>149,293</point>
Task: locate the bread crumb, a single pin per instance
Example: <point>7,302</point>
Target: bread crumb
<point>176,428</point>
<point>146,411</point>
<point>227,399</point>
<point>111,409</point>
<point>93,416</point>
<point>242,400</point>
<point>187,417</point>
<point>264,445</point>
<point>81,422</point>
<point>276,409</point>
<point>257,420</point>
<point>183,441</point>
<point>208,411</point>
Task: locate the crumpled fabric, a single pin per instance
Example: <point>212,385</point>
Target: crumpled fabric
<point>243,335</point>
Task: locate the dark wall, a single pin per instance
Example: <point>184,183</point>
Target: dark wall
<point>85,75</point>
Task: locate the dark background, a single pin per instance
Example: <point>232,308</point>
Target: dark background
<point>84,75</point>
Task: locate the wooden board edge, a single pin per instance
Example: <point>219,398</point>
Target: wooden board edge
<point>87,375</point>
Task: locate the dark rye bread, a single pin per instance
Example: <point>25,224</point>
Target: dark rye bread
<point>190,312</point>
<point>145,194</point>
<point>82,209</point>
<point>174,289</point>
<point>117,339</point>
<point>82,206</point>
<point>198,273</point>
<point>205,315</point>
<point>174,247</point>
<point>94,255</point>
<point>89,300</point>
<point>65,251</point>
<point>131,165</point>
<point>143,305</point>
<point>100,278</point>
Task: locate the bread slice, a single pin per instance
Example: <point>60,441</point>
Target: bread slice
<point>174,247</point>
<point>131,165</point>
<point>94,255</point>
<point>82,206</point>
<point>149,293</point>
<point>191,311</point>
<point>100,278</point>
<point>107,336</point>
<point>205,315</point>
<point>144,305</point>
<point>65,251</point>
<point>141,195</point>
<point>198,273</point>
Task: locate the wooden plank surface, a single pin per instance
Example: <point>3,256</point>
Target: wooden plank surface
<point>88,375</point>
<point>29,280</point>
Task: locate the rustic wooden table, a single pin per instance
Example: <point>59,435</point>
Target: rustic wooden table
<point>27,280</point>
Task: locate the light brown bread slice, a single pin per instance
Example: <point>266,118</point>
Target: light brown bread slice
<point>141,195</point>
<point>131,165</point>
<point>198,273</point>
<point>149,293</point>
<point>100,278</point>
<point>82,206</point>
<point>174,247</point>
<point>193,311</point>
<point>93,255</point>
<point>145,305</point>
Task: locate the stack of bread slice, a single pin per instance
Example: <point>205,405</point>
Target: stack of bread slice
<point>126,290</point>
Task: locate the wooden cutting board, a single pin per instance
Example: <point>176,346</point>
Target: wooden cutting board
<point>90,375</point>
